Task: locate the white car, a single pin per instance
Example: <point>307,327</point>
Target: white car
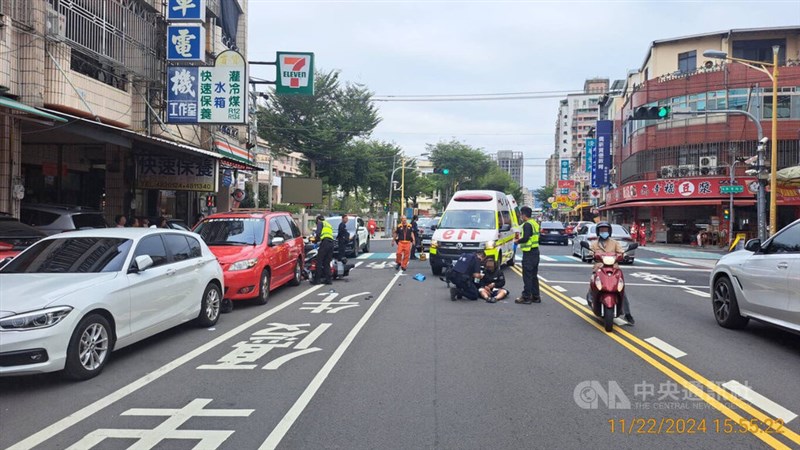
<point>588,233</point>
<point>761,282</point>
<point>71,299</point>
<point>357,231</point>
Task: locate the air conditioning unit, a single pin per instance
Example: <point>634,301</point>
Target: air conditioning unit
<point>710,170</point>
<point>56,25</point>
<point>708,161</point>
<point>669,171</point>
<point>687,170</point>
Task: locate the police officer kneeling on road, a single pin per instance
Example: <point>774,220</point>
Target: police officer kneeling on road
<point>465,274</point>
<point>324,236</point>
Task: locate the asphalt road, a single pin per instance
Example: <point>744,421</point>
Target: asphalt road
<point>386,361</point>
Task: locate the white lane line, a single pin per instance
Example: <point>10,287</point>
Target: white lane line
<point>666,348</point>
<point>542,278</point>
<point>692,291</point>
<point>579,300</point>
<point>620,321</point>
<point>646,262</point>
<point>588,267</point>
<point>761,402</point>
<point>365,256</point>
<point>673,262</point>
<point>559,288</point>
<point>76,417</point>
<point>294,412</point>
<point>546,258</point>
<point>358,263</point>
<point>574,258</point>
<point>392,256</point>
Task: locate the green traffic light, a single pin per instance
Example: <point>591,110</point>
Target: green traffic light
<point>663,112</point>
<point>445,171</point>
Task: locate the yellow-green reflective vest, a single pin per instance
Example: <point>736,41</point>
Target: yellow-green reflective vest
<point>327,231</point>
<point>533,241</point>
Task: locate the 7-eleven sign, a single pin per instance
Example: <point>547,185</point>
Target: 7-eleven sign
<point>295,73</point>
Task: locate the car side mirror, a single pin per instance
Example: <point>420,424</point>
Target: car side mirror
<point>142,263</point>
<point>277,240</point>
<point>585,245</point>
<point>753,245</point>
<point>633,246</point>
<point>505,227</point>
<point>433,227</point>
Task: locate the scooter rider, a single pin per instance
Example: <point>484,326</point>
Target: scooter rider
<point>605,244</point>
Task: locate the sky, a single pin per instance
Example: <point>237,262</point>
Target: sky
<point>401,48</point>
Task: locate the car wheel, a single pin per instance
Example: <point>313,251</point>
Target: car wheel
<point>437,270</point>
<point>726,308</point>
<point>298,273</point>
<point>263,288</point>
<point>210,306</point>
<point>355,249</point>
<point>584,258</point>
<point>89,348</point>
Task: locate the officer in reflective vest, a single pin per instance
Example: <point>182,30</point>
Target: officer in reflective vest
<point>529,244</point>
<point>323,236</point>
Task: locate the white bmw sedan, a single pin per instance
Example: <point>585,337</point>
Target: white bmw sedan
<point>71,299</point>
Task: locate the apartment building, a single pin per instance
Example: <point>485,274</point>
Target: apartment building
<point>83,109</point>
<point>512,163</point>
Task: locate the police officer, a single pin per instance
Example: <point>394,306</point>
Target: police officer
<point>324,236</point>
<point>529,243</point>
<point>466,272</point>
<point>343,237</point>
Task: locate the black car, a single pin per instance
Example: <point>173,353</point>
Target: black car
<point>425,225</point>
<point>553,233</point>
<point>16,236</point>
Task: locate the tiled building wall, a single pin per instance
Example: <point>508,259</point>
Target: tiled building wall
<point>31,54</point>
<point>9,164</point>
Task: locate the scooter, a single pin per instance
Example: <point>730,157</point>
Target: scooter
<point>339,268</point>
<point>607,286</point>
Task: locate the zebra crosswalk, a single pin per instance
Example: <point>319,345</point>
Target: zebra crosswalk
<point>552,259</point>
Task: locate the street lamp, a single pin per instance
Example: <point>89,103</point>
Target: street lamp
<point>402,170</point>
<point>773,169</point>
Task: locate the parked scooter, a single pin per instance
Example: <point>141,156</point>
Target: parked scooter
<point>339,268</point>
<point>607,286</point>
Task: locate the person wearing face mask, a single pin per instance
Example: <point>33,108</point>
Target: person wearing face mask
<point>605,244</point>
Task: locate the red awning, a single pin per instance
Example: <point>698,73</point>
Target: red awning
<point>703,202</point>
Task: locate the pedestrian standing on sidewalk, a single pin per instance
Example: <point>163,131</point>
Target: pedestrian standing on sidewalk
<point>404,238</point>
<point>642,235</point>
<point>120,221</point>
<point>529,243</point>
<point>635,232</point>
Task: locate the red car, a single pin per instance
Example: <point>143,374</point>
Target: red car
<point>259,251</point>
<point>16,236</point>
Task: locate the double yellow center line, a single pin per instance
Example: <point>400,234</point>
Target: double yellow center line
<point>681,374</point>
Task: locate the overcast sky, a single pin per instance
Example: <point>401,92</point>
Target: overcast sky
<point>484,47</point>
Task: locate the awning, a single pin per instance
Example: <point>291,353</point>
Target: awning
<point>234,156</point>
<point>704,202</point>
<point>233,162</point>
<point>581,206</point>
<point>13,104</point>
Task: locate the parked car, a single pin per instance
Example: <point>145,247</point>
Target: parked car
<point>52,219</point>
<point>760,282</point>
<point>574,227</point>
<point>15,236</point>
<point>588,233</point>
<point>178,224</point>
<point>355,226</point>
<point>553,233</point>
<point>426,226</point>
<point>259,251</point>
<point>71,299</point>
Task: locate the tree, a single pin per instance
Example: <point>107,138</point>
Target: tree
<point>542,194</point>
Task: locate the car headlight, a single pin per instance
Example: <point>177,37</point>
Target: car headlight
<point>488,245</point>
<point>35,319</point>
<point>434,243</point>
<point>243,264</point>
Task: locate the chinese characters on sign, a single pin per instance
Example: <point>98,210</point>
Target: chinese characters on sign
<point>601,156</point>
<point>295,73</point>
<point>591,145</point>
<point>185,42</point>
<point>176,173</point>
<point>208,94</point>
<point>186,11</point>
<point>564,173</point>
<point>676,189</point>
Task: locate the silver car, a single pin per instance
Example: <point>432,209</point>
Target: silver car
<point>761,282</point>
<point>588,233</point>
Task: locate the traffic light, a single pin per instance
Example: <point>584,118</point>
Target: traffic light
<point>211,201</point>
<point>651,112</point>
<point>726,214</point>
<point>441,171</point>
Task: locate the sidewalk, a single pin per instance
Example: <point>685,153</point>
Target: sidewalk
<point>686,251</point>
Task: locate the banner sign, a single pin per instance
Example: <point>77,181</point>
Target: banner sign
<point>680,189</point>
<point>209,94</point>
<point>601,156</point>
<point>564,173</point>
<point>177,173</point>
<point>566,184</point>
<point>295,73</point>
<point>591,144</point>
<point>186,11</point>
<point>186,42</point>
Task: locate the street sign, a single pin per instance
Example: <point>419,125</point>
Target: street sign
<point>731,189</point>
<point>295,73</point>
<point>573,195</point>
<point>566,184</point>
<point>595,193</point>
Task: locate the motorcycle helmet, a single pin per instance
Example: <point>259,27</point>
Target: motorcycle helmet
<point>602,225</point>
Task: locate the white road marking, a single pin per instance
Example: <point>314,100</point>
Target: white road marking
<point>574,258</point>
<point>302,402</point>
<point>672,262</point>
<point>761,402</point>
<point>546,258</point>
<point>692,291</point>
<point>358,264</point>
<point>586,282</point>
<point>647,262</point>
<point>76,417</point>
<point>365,256</point>
<point>542,278</point>
<point>559,288</point>
<point>666,348</point>
<point>588,267</point>
<point>579,300</point>
<point>620,321</point>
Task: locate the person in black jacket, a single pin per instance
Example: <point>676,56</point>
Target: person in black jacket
<point>343,237</point>
<point>491,285</point>
<point>465,275</point>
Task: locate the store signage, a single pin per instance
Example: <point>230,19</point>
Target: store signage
<point>179,173</point>
<point>295,73</point>
<point>564,173</point>
<point>591,144</point>
<point>675,189</point>
<point>601,156</point>
<point>209,94</point>
<point>186,10</point>
<point>734,189</point>
<point>566,184</point>
<point>186,42</point>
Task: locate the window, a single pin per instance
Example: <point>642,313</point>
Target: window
<point>687,62</point>
<point>195,251</point>
<point>760,50</point>
<point>274,229</point>
<point>154,247</point>
<point>37,218</point>
<point>784,106</point>
<point>787,241</point>
<point>88,221</point>
<point>178,246</point>
<point>286,229</point>
<point>505,218</point>
<point>72,255</point>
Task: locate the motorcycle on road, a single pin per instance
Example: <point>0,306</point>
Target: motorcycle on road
<point>607,286</point>
<point>339,268</point>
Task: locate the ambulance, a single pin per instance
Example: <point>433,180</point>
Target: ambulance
<point>475,220</point>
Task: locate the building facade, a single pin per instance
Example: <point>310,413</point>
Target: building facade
<point>83,110</point>
<point>512,163</point>
<point>669,174</point>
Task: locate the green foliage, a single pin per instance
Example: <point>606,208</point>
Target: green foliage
<point>294,209</point>
<point>248,201</point>
<point>263,195</point>
<point>542,194</point>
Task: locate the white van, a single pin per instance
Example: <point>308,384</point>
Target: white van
<point>475,220</point>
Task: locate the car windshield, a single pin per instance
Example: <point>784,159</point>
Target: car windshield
<point>424,222</point>
<point>89,220</point>
<point>468,219</point>
<point>552,225</point>
<point>72,255</point>
<point>232,231</point>
<point>617,231</point>
<point>335,221</point>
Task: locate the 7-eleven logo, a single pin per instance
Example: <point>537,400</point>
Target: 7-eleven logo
<point>294,71</point>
